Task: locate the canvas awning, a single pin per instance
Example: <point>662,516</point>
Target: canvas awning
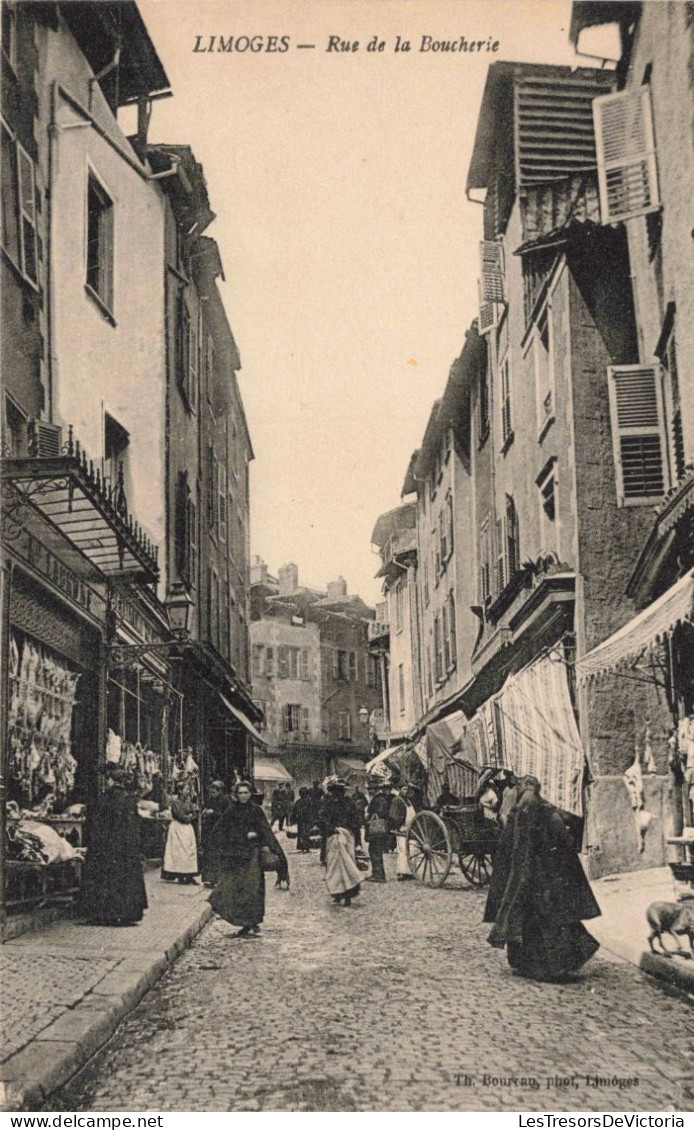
<point>380,758</point>
<point>348,767</point>
<point>642,633</point>
<point>270,769</point>
<point>245,722</point>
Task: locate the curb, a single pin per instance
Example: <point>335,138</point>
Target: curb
<point>30,1076</point>
<point>671,969</point>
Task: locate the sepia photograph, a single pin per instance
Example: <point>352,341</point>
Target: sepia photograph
<point>347,559</point>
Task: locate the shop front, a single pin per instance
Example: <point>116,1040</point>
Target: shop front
<point>64,544</point>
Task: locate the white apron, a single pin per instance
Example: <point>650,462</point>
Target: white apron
<point>402,866</point>
<point>181,853</point>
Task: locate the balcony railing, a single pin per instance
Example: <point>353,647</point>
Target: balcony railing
<point>64,485</point>
<point>378,630</point>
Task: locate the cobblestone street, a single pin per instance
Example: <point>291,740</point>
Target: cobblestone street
<point>396,1004</point>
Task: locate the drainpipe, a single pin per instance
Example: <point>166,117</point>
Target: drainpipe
<point>50,288</point>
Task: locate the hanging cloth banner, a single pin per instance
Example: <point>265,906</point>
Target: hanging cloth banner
<point>539,732</point>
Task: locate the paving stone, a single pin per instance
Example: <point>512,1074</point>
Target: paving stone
<point>386,1008</point>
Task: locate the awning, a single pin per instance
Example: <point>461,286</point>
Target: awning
<point>245,722</point>
<point>380,758</point>
<point>270,769</point>
<point>71,493</point>
<point>642,633</point>
<point>348,767</point>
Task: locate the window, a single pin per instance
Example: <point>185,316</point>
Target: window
<point>638,432</point>
<point>449,522</point>
<point>211,487</point>
<point>344,726</point>
<point>290,664</point>
<point>507,545</point>
<point>443,538</point>
<point>506,425</point>
<point>100,243</point>
<point>399,606</point>
<point>425,581</point>
<point>438,649</point>
<point>625,146</point>
<point>547,487</point>
<point>345,665</point>
<point>258,654</point>
<point>209,369</point>
<point>437,554</point>
<point>222,501</point>
<point>544,371</point>
<point>116,445</point>
<point>445,641</point>
<point>269,662</point>
<point>451,626</point>
<point>10,200</point>
<point>370,671</point>
<point>491,285</point>
<point>225,626</point>
<point>213,606</point>
<point>9,34</point>
<point>186,539</point>
<point>483,405</point>
<point>19,235</point>
<point>295,719</point>
<point>304,662</point>
<point>485,562</point>
<point>14,439</point>
<point>430,682</point>
<point>193,364</point>
<point>401,687</point>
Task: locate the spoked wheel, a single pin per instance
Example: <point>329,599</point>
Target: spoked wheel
<point>429,851</point>
<point>476,866</point>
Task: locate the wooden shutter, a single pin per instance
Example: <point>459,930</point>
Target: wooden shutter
<point>501,571</point>
<point>192,542</point>
<point>336,664</point>
<point>438,658</point>
<point>222,500</point>
<point>286,718</point>
<point>492,271</point>
<point>488,317</point>
<point>638,432</point>
<point>193,363</point>
<point>452,630</point>
<point>506,427</point>
<point>269,662</point>
<point>627,166</point>
<point>352,666</point>
<point>304,663</point>
<point>445,642</point>
<point>27,227</point>
<point>511,539</point>
<point>282,663</point>
<point>181,523</point>
<point>304,719</point>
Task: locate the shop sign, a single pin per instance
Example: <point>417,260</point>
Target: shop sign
<point>60,576</point>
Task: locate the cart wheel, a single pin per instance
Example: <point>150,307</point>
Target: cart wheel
<point>476,866</point>
<point>429,852</point>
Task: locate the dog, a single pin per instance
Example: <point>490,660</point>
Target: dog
<point>674,918</point>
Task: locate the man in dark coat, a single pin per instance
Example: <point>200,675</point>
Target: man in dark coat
<point>114,887</point>
<point>378,830</point>
<point>217,803</point>
<point>302,815</point>
<point>539,893</point>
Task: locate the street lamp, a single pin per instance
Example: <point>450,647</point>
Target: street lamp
<point>178,607</point>
<point>363,715</point>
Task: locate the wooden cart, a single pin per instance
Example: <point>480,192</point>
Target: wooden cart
<point>462,833</point>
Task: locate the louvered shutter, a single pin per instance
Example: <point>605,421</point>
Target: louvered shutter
<point>492,271</point>
<point>627,166</point>
<point>452,630</point>
<point>501,570</point>
<point>45,440</point>
<point>488,317</point>
<point>638,432</point>
<point>282,663</point>
<point>27,205</point>
<point>304,663</point>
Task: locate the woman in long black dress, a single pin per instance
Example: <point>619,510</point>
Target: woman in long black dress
<point>239,834</point>
<point>114,892</point>
<point>539,893</point>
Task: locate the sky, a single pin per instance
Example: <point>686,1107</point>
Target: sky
<point>350,250</point>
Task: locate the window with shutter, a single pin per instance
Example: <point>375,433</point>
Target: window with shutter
<point>483,405</point>
<point>488,316</point>
<point>668,356</point>
<point>182,532</point>
<point>258,656</point>
<point>506,425</point>
<point>10,194</point>
<point>211,487</point>
<point>437,554</point>
<point>453,639</point>
<point>182,343</point>
<point>511,536</point>
<point>430,682</point>
<point>425,581</point>
<point>99,231</point>
<point>445,641</point>
<point>192,542</point>
<point>352,666</point>
<point>443,538</point>
<point>193,363</point>
<point>269,662</point>
<point>304,721</point>
<point>336,664</point>
<point>287,718</point>
<point>485,562</point>
<point>438,650</point>
<point>543,346</point>
<point>492,271</point>
<point>449,522</point>
<point>625,144</point>
<point>638,432</point>
<point>304,663</point>
<point>282,665</point>
<point>500,532</point>
<point>401,687</point>
<point>222,501</point>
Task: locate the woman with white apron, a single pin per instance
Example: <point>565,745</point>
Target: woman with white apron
<point>401,815</point>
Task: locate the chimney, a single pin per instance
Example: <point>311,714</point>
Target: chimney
<point>288,579</point>
<point>337,588</point>
<point>258,571</point>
